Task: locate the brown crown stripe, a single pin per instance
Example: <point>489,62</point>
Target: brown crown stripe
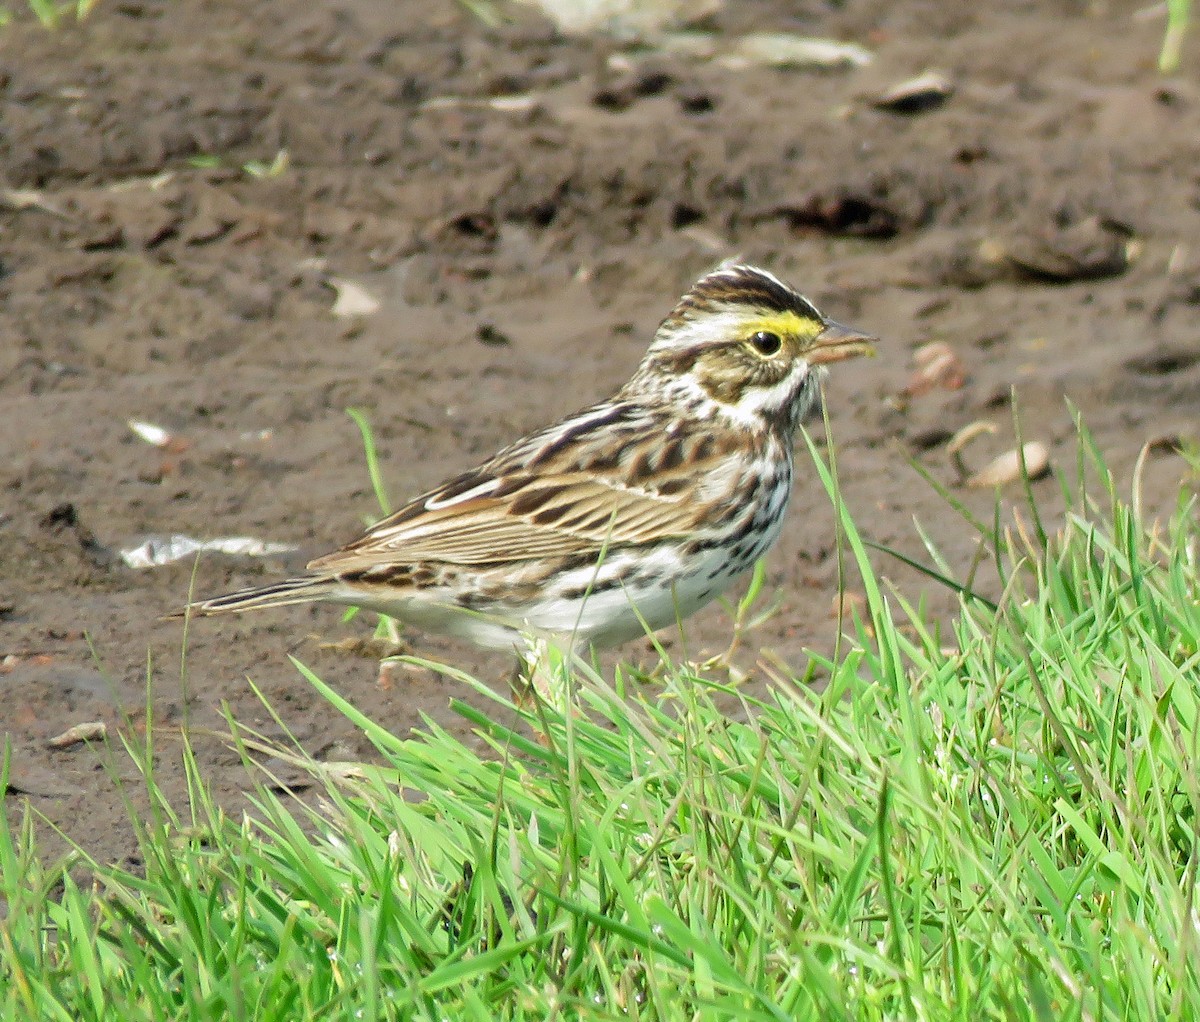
<point>744,289</point>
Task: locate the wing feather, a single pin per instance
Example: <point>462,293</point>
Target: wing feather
<point>506,511</point>
<point>485,530</point>
<point>562,491</point>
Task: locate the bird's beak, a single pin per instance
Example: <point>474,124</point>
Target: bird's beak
<point>836,343</point>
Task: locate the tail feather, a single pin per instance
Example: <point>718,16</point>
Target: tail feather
<point>304,589</point>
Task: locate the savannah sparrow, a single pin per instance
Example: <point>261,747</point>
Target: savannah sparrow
<point>626,516</point>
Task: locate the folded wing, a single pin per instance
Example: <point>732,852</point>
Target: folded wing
<point>573,489</point>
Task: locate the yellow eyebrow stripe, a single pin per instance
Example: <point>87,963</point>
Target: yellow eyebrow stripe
<point>786,324</point>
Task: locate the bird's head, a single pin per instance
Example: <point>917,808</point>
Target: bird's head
<point>744,340</point>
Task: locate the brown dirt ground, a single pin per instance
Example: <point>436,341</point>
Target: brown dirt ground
<point>523,256</point>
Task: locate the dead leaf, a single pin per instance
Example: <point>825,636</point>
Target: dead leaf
<point>155,551</point>
<point>89,731</point>
<point>155,436</point>
<point>352,299</point>
<point>960,440</point>
<point>783,49</point>
<point>926,91</point>
<point>1006,468</point>
<point>29,198</point>
<point>158,436</point>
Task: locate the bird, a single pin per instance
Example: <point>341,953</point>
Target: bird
<point>620,519</point>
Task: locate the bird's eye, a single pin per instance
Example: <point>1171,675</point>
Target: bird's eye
<point>766,344</point>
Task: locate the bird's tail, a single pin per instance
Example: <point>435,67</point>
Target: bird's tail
<point>304,589</point>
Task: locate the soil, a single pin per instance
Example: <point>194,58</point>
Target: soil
<point>524,207</point>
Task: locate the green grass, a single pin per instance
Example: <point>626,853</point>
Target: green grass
<point>1178,15</point>
<point>52,13</point>
<point>990,818</point>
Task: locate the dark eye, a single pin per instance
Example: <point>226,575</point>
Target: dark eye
<point>766,343</point>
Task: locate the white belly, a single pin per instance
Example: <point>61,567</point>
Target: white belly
<point>624,597</point>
